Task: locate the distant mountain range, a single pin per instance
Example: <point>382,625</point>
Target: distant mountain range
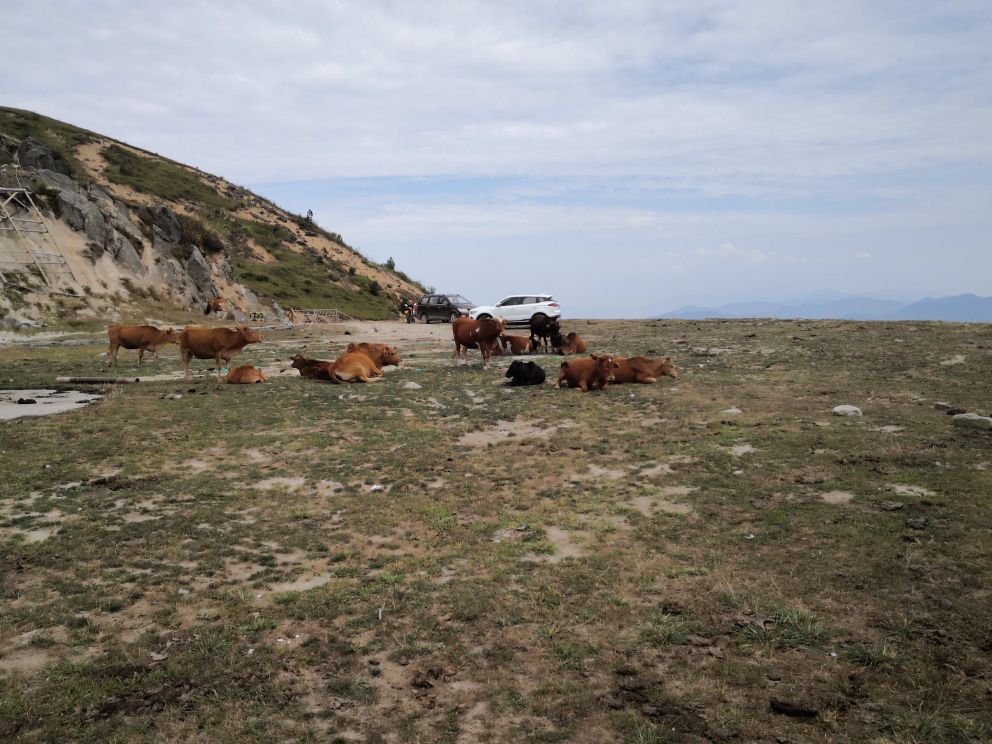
<point>965,308</point>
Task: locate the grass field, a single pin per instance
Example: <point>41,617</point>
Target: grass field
<point>465,562</point>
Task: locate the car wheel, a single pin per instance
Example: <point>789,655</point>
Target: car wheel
<point>483,316</point>
<point>538,318</point>
<point>454,316</point>
<point>424,319</point>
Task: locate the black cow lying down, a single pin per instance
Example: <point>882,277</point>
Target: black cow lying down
<point>525,373</point>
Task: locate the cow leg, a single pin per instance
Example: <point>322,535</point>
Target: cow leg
<point>112,353</point>
<point>646,379</point>
<point>186,354</point>
<point>561,379</point>
<point>141,353</point>
<point>583,385</point>
<point>217,358</point>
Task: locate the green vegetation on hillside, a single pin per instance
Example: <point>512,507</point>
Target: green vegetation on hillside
<point>161,178</point>
<point>295,280</point>
<point>57,136</point>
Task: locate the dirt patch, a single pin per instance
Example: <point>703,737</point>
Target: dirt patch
<point>837,498</point>
<point>564,547</point>
<point>504,430</point>
<point>597,471</point>
<point>904,490</point>
<point>738,450</point>
<point>280,484</point>
<point>25,661</point>
<point>956,359</point>
<point>648,505</point>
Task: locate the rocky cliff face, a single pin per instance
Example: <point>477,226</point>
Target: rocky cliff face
<point>139,232</point>
<point>112,250</point>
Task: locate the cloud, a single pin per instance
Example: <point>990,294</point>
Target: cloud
<point>811,133</point>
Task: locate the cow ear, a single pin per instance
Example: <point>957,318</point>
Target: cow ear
<point>593,356</point>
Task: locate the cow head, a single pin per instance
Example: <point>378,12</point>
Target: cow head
<point>299,361</point>
<point>170,336</point>
<point>606,367</point>
<point>515,369</point>
<point>250,335</point>
<point>388,355</point>
<point>665,367</point>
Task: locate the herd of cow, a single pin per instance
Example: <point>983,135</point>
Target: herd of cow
<point>364,361</point>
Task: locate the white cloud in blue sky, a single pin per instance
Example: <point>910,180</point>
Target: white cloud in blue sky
<point>629,156</point>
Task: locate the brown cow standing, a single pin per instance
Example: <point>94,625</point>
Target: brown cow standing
<point>214,343</point>
<point>141,337</point>
<point>593,373</point>
<point>246,375</point>
<point>480,334</point>
<point>643,370</point>
<point>516,345</point>
<point>574,344</point>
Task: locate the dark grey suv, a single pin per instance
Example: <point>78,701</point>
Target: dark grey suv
<point>443,307</point>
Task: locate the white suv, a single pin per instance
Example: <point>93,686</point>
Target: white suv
<point>519,308</point>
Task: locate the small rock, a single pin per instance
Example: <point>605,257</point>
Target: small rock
<point>941,406</point>
<point>918,523</point>
<point>793,709</point>
<point>26,401</point>
<point>732,411</point>
<point>376,487</point>
<point>411,386</point>
<point>954,411</point>
<point>967,420</point>
<point>891,506</point>
<point>846,410</point>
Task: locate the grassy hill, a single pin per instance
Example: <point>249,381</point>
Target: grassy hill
<point>281,256</point>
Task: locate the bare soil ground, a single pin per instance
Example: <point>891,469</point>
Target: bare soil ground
<point>465,562</point>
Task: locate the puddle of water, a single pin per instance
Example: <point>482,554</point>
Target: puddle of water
<point>47,402</point>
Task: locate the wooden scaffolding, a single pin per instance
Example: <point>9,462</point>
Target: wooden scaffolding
<point>28,244</point>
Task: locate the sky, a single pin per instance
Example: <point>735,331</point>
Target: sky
<point>629,157</point>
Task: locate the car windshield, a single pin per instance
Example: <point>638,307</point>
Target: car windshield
<point>458,300</point>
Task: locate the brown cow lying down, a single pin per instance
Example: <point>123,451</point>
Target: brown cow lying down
<point>382,354</point>
<point>516,345</point>
<point>141,337</point>
<point>308,367</point>
<point>593,373</point>
<point>574,344</point>
<point>360,363</point>
<point>480,334</point>
<point>643,370</point>
<point>246,375</point>
<point>214,343</point>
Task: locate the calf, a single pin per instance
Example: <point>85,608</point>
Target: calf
<point>307,367</point>
<point>516,345</point>
<point>246,375</point>
<point>644,370</point>
<point>596,372</point>
<point>525,373</point>
<point>480,334</point>
<point>214,343</point>
<point>141,337</point>
<point>574,344</point>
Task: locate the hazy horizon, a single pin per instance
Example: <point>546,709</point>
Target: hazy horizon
<point>630,159</point>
